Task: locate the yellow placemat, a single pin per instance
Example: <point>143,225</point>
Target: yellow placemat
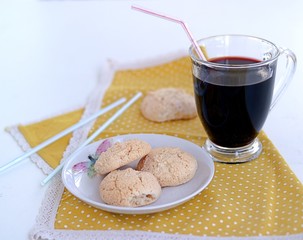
<point>258,198</point>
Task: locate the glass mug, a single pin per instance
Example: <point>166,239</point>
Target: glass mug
<point>234,91</point>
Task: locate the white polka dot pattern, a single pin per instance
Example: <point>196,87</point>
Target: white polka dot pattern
<point>262,197</point>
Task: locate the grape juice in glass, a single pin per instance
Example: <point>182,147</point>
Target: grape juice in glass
<point>234,92</point>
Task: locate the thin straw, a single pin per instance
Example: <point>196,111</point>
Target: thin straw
<point>93,136</point>
<point>60,135</point>
<point>173,19</point>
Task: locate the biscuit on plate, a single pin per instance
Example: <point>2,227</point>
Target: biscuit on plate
<point>120,154</point>
<point>167,104</point>
<point>129,188</point>
<point>171,166</point>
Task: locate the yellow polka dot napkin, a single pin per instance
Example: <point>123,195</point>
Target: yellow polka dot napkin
<point>261,198</point>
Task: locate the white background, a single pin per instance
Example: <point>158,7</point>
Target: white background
<point>51,53</point>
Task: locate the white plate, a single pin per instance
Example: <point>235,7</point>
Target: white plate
<point>87,189</point>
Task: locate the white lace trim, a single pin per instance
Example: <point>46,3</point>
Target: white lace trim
<point>93,105</point>
<point>44,228</point>
<point>24,145</point>
<point>18,136</point>
<point>141,235</point>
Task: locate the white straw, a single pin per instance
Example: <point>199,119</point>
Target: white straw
<point>93,136</point>
<point>173,19</point>
<point>60,135</point>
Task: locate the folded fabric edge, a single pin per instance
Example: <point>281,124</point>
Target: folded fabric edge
<point>48,115</point>
<point>48,209</point>
<point>24,145</point>
<point>93,104</point>
<point>94,101</point>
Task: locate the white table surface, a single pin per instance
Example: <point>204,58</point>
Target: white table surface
<point>51,53</point>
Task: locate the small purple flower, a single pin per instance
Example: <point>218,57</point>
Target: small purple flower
<point>88,166</point>
<point>81,167</point>
<point>103,147</point>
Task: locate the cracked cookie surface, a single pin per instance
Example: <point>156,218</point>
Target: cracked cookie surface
<point>129,188</point>
<point>171,166</point>
<point>167,104</point>
<point>120,154</point>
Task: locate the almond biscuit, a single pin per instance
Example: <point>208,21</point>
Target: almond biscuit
<point>167,104</point>
<point>171,166</point>
<point>120,154</point>
<point>129,188</point>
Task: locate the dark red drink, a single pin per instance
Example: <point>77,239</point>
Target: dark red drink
<point>233,103</point>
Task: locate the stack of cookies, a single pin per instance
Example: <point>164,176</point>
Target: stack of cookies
<point>157,168</point>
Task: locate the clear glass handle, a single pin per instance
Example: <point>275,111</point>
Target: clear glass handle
<point>283,82</point>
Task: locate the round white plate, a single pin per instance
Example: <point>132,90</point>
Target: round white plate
<point>87,188</point>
